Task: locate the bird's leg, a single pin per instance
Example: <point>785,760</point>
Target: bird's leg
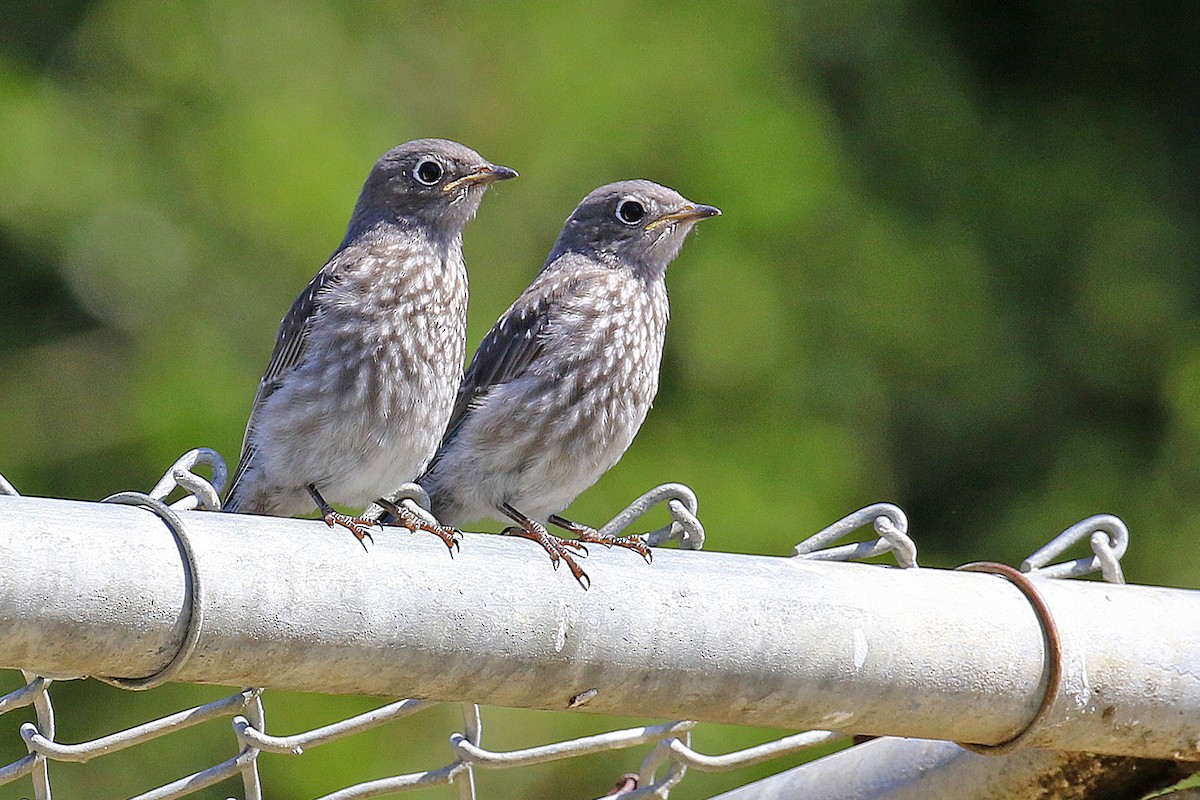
<point>559,549</point>
<point>357,525</point>
<point>415,522</point>
<point>587,533</point>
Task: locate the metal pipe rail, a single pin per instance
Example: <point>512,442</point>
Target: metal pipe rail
<point>912,769</point>
<point>106,590</point>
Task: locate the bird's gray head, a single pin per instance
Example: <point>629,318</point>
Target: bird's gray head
<point>639,224</point>
<point>434,182</point>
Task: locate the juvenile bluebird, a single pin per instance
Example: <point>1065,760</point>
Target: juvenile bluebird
<point>564,379</point>
<point>367,360</point>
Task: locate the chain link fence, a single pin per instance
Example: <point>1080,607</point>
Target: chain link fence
<point>667,748</point>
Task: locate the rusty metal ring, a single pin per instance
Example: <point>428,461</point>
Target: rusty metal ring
<point>1053,652</point>
<point>193,593</point>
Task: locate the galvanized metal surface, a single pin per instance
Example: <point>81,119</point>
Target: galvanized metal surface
<point>93,589</point>
<point>912,769</point>
<point>669,740</point>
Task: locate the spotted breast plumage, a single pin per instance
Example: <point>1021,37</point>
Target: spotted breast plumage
<point>563,381</point>
<point>363,376</point>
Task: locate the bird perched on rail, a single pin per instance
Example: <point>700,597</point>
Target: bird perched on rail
<point>564,379</point>
<point>367,360</point>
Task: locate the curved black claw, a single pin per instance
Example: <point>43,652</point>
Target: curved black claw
<point>361,528</point>
<point>636,543</point>
<point>574,544</point>
<point>586,533</point>
<point>403,518</point>
<point>576,570</point>
<point>558,549</point>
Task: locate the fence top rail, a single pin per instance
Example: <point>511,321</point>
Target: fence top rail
<point>100,589</point>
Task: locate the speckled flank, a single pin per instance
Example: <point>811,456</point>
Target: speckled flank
<point>368,360</point>
<point>396,320</point>
<point>564,380</point>
<point>545,437</point>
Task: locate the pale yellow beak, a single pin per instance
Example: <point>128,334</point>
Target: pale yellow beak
<point>484,174</point>
<point>688,212</point>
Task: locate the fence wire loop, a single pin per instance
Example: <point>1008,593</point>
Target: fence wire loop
<point>890,524</point>
<point>649,785</point>
<point>473,726</point>
<point>39,742</point>
<point>672,742</point>
<point>685,526</point>
<point>256,715</point>
<point>677,750</point>
<point>33,693</point>
<point>194,592</point>
<point>294,745</point>
<point>1053,645</point>
<point>625,784</point>
<point>1109,539</point>
<point>587,745</point>
<point>458,772</point>
<point>411,496</point>
<point>751,755</point>
<point>19,698</point>
<point>201,493</point>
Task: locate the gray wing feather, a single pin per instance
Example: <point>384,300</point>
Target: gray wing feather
<point>290,346</point>
<point>292,340</point>
<point>504,354</point>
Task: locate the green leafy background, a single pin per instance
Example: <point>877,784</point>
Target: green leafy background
<point>956,271</point>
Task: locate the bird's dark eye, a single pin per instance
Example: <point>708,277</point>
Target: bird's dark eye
<point>630,212</point>
<point>428,172</point>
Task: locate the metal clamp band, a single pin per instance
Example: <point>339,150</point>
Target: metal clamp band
<point>1053,652</point>
<point>195,608</point>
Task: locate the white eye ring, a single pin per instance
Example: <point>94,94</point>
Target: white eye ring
<point>630,211</point>
<point>428,172</point>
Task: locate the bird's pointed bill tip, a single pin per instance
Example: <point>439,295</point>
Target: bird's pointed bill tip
<point>692,212</point>
<point>500,173</point>
<point>483,174</point>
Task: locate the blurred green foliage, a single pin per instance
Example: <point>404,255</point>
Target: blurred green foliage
<point>957,269</point>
